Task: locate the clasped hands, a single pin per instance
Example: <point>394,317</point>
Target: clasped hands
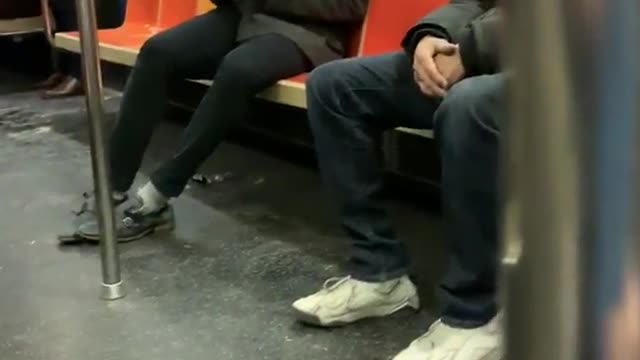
<point>437,65</point>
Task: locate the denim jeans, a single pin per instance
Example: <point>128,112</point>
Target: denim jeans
<point>351,103</point>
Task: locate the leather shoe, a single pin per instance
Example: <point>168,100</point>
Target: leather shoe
<point>52,81</point>
<point>68,87</point>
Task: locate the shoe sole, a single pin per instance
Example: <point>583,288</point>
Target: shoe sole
<point>310,319</point>
<point>69,239</point>
<point>153,230</point>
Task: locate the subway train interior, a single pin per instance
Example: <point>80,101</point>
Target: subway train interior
<point>256,226</point>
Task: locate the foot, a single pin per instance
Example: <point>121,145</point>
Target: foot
<point>68,87</point>
<point>445,342</point>
<point>86,213</point>
<point>135,225</point>
<point>52,81</point>
<point>346,300</point>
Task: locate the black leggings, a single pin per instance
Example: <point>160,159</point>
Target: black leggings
<point>202,48</point>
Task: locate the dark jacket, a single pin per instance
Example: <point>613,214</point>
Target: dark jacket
<point>473,24</point>
<point>321,28</point>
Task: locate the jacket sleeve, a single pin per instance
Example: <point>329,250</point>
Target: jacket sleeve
<point>332,11</point>
<point>467,23</point>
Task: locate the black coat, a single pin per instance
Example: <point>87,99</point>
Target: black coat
<point>321,28</point>
<point>473,24</point>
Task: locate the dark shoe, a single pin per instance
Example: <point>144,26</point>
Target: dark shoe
<point>84,215</point>
<point>68,87</point>
<point>135,225</point>
<point>52,81</point>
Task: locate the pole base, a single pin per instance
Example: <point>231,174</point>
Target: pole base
<point>112,291</point>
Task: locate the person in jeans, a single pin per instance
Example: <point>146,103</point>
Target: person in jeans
<point>245,46</point>
<point>66,81</point>
<point>448,79</point>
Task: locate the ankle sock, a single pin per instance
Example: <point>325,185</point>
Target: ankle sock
<point>152,199</point>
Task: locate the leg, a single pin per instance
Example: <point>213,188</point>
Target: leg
<point>193,49</point>
<point>467,130</point>
<point>350,103</point>
<point>251,67</point>
<point>67,79</point>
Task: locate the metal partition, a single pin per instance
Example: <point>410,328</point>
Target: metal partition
<point>569,163</point>
<point>111,282</point>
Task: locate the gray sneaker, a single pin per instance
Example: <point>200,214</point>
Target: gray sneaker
<point>134,225</point>
<point>86,213</point>
<point>345,300</point>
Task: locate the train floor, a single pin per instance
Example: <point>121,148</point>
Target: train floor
<point>220,287</point>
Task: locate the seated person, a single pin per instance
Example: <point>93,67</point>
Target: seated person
<point>66,80</point>
<point>245,46</point>
<point>448,80</point>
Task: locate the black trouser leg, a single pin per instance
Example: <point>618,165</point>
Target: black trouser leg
<point>251,67</point>
<point>193,49</point>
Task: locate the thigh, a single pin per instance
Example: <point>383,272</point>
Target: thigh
<point>196,47</point>
<point>260,62</point>
<point>379,88</point>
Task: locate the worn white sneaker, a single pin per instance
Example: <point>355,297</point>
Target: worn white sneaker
<point>443,342</point>
<point>345,300</point>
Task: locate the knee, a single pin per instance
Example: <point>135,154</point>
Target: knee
<point>326,81</point>
<point>329,90</point>
<point>239,75</point>
<point>153,50</point>
<point>467,112</point>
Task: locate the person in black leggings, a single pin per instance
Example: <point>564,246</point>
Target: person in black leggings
<point>245,46</point>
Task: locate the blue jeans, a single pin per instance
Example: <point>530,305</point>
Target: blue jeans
<point>351,103</point>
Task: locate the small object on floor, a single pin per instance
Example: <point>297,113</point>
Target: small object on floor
<point>52,81</point>
<point>201,179</point>
<point>68,87</point>
<point>222,177</point>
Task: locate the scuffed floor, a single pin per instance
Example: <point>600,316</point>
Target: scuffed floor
<point>220,288</point>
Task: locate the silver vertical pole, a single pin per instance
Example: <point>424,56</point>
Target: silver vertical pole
<point>111,282</point>
<point>569,159</point>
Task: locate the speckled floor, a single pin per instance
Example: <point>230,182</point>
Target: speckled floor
<point>219,288</point>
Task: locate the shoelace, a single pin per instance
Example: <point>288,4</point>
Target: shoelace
<point>335,282</point>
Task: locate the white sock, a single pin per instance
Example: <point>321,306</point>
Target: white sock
<point>152,199</point>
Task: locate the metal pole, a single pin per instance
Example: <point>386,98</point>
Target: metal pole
<point>111,282</point>
<point>570,148</point>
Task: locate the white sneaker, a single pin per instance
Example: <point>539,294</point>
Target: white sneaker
<point>443,342</point>
<point>345,300</point>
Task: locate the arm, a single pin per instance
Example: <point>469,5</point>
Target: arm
<point>467,23</point>
<point>333,11</point>
<point>480,44</point>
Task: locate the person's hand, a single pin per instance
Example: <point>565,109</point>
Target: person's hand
<point>426,73</point>
<point>451,67</point>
